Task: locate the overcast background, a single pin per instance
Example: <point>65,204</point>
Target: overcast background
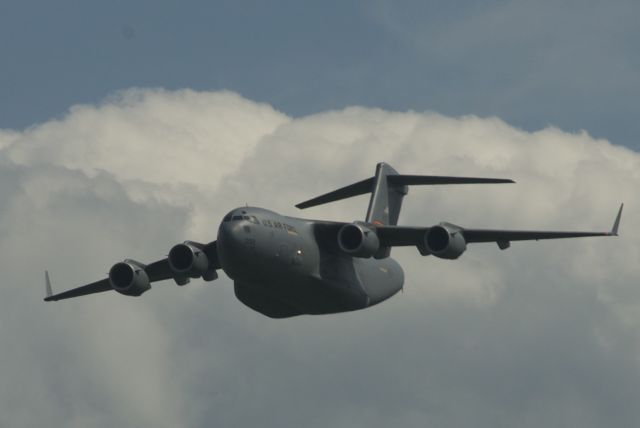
<point>270,104</point>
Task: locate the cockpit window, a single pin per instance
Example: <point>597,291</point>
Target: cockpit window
<point>236,217</point>
<point>227,217</point>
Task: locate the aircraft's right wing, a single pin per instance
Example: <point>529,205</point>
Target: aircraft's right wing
<point>94,287</point>
<point>132,278</point>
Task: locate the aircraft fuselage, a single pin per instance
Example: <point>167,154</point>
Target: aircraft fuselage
<point>282,266</point>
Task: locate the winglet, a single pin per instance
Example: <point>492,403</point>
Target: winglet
<point>616,224</point>
<point>47,283</point>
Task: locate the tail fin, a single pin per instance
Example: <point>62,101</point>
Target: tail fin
<point>387,189</point>
<point>386,196</point>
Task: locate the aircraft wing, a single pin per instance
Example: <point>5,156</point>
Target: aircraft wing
<point>94,287</point>
<point>157,271</point>
<point>393,236</point>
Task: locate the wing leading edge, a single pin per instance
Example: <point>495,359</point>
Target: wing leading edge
<point>157,271</point>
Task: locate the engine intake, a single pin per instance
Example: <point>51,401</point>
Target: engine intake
<point>445,242</point>
<point>187,259</point>
<point>358,240</point>
<point>129,278</point>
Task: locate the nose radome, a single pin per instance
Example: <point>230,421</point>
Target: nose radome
<point>231,244</point>
<point>230,234</point>
<point>237,251</point>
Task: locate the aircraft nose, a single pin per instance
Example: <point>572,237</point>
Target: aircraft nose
<point>232,246</point>
<point>229,236</point>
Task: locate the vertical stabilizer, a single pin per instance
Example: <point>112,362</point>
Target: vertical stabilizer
<point>386,197</point>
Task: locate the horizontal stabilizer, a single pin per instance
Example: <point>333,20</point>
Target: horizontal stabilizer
<point>367,186</point>
<point>355,189</point>
<point>409,180</point>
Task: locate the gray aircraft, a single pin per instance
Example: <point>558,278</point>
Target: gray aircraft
<point>286,266</point>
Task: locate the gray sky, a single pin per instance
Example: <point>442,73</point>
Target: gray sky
<point>91,172</point>
<point>572,64</point>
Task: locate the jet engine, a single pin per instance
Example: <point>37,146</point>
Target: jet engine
<point>445,241</point>
<point>129,278</point>
<point>358,240</point>
<point>188,260</point>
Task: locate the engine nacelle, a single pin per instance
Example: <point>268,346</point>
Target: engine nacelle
<point>129,278</point>
<point>187,260</point>
<point>445,242</point>
<point>358,240</point>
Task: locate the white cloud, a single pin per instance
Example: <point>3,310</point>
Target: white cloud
<point>544,333</point>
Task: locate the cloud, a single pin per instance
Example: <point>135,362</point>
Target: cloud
<point>541,334</point>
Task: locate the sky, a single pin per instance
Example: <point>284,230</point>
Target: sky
<point>128,127</point>
<point>572,64</point>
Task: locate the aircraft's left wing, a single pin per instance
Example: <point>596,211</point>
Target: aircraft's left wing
<point>132,278</point>
<point>392,236</point>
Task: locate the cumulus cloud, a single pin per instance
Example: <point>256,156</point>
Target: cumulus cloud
<point>541,334</point>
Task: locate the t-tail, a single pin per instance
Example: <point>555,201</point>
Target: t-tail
<point>387,189</point>
<point>386,196</point>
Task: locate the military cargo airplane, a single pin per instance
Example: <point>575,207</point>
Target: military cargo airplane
<point>286,266</point>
